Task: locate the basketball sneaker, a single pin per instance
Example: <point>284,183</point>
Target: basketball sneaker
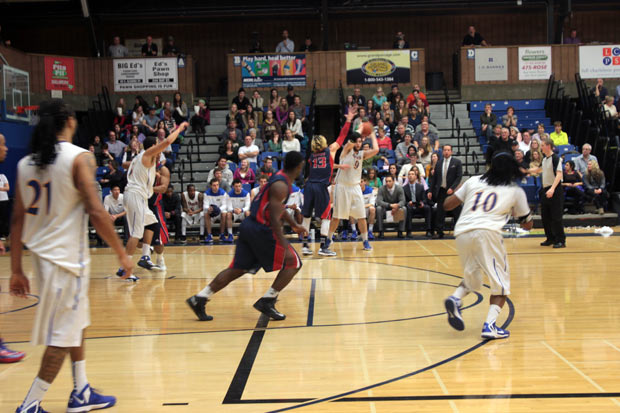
<point>35,407</point>
<point>325,251</point>
<point>491,332</point>
<point>306,250</point>
<point>367,246</point>
<point>131,278</point>
<point>8,355</point>
<point>455,319</point>
<point>230,239</point>
<point>198,304</point>
<point>344,235</point>
<point>353,235</point>
<point>371,236</point>
<point>223,237</point>
<point>146,263</point>
<point>87,400</point>
<point>267,306</point>
<point>209,239</point>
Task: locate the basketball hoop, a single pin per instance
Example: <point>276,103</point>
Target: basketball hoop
<point>20,110</point>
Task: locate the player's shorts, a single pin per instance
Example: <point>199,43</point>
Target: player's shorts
<point>238,217</point>
<point>138,214</point>
<point>316,197</point>
<point>348,202</point>
<point>64,310</point>
<point>192,220</point>
<point>483,252</point>
<point>257,248</point>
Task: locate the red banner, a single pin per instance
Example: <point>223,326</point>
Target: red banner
<point>59,73</point>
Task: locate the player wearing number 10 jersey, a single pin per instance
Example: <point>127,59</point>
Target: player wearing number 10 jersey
<point>488,202</point>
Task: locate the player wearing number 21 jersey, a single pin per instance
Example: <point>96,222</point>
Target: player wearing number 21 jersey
<point>488,202</point>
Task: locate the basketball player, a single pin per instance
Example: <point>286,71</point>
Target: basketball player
<point>238,207</point>
<point>140,179</point>
<point>261,243</point>
<point>160,237</point>
<point>215,204</point>
<point>54,198</point>
<point>7,355</point>
<point>370,196</point>
<point>348,197</point>
<point>192,203</point>
<point>488,202</point>
<point>316,196</point>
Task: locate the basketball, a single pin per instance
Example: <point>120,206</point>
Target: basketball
<point>366,128</point>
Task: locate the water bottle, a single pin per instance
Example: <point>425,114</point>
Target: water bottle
<point>312,235</point>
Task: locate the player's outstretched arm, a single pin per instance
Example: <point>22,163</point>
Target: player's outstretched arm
<point>160,146</point>
<point>84,168</point>
<point>333,148</point>
<point>374,147</point>
<point>19,285</point>
<point>451,202</point>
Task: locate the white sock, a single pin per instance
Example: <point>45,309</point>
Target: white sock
<point>460,292</point>
<point>79,375</point>
<point>325,227</point>
<point>37,391</point>
<point>206,292</point>
<point>230,230</point>
<point>354,227</point>
<point>158,256</point>
<point>330,235</point>
<point>370,227</point>
<point>306,224</point>
<point>146,250</point>
<point>271,293</point>
<point>364,236</point>
<point>183,227</point>
<point>494,311</point>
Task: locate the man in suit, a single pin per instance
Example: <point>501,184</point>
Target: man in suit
<point>446,179</point>
<point>415,199</point>
<point>391,197</point>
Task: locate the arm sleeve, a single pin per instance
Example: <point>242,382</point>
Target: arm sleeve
<point>343,133</point>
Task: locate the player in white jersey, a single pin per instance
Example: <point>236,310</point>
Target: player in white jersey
<point>488,202</point>
<point>54,198</point>
<point>370,196</point>
<point>347,195</point>
<point>192,215</point>
<point>141,176</point>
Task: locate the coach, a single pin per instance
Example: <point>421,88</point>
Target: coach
<point>445,180</point>
<point>551,196</point>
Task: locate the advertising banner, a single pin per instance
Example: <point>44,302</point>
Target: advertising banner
<point>599,61</point>
<point>59,73</point>
<point>158,73</point>
<point>278,70</point>
<point>491,64</point>
<point>383,66</point>
<point>534,63</point>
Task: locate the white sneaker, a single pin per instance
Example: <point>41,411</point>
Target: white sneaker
<point>306,251</point>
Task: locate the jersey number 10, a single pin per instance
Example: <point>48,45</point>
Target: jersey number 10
<point>489,201</point>
<point>33,209</point>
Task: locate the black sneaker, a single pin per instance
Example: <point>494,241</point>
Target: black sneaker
<point>267,306</point>
<point>546,243</point>
<point>198,304</point>
<point>146,263</point>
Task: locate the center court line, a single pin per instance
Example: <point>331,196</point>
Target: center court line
<point>448,245</point>
<point>611,345</point>
<point>431,254</point>
<point>439,380</point>
<point>373,408</point>
<point>582,374</point>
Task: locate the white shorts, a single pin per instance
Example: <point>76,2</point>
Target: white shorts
<point>139,215</point>
<point>348,202</point>
<point>216,218</point>
<point>483,252</point>
<point>64,310</point>
<point>193,220</point>
<point>238,217</point>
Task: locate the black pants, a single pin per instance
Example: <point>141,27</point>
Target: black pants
<point>4,218</point>
<point>417,211</point>
<point>440,217</point>
<point>600,200</point>
<point>176,220</point>
<point>198,124</point>
<point>551,210</point>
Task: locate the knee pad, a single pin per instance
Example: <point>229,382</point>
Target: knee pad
<point>153,227</point>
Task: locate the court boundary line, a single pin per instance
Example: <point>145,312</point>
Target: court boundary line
<point>310,318</point>
<point>22,308</point>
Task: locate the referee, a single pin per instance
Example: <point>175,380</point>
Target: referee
<point>551,196</point>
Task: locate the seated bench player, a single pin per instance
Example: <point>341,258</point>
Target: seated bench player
<point>262,181</point>
<point>370,196</point>
<point>238,207</point>
<point>192,204</point>
<point>215,204</point>
<point>113,204</point>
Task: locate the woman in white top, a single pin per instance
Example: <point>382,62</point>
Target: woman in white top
<point>294,125</point>
<point>4,205</point>
<point>610,110</point>
<point>137,116</point>
<point>290,143</point>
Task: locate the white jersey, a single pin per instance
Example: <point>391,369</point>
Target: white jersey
<point>489,207</point>
<point>353,175</point>
<point>193,204</point>
<point>55,223</point>
<point>140,179</point>
<point>370,195</point>
<point>295,197</point>
<point>114,206</point>
<point>240,200</point>
<point>219,198</point>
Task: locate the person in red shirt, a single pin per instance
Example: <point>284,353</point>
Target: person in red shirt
<point>385,143</point>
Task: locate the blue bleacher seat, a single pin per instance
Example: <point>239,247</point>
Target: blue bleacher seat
<point>562,149</point>
<point>105,192</point>
<point>531,191</point>
<point>102,170</point>
<point>232,166</point>
<point>570,156</point>
<point>254,167</point>
<point>247,187</point>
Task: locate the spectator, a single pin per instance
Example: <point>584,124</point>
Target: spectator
<point>515,134</point>
<point>227,174</point>
<point>540,134</point>
<point>509,119</point>
<point>244,173</point>
<point>131,152</point>
<point>248,116</point>
<point>401,111</point>
<point>308,46</point>
<point>573,187</point>
<point>525,142</point>
<point>294,125</point>
<point>116,49</point>
<point>378,98</point>
<point>387,114</point>
<point>361,117</point>
<point>149,48</point>
<point>270,126</point>
<point>609,108</point>
<point>425,151</point>
<point>371,109</point>
<point>594,182</point>
<point>413,163</point>
<point>473,38</point>
<point>391,198</point>
<point>290,143</point>
<point>430,168</point>
<point>106,156</point>
<point>391,97</point>
<point>171,49</point>
<point>581,162</point>
<point>488,120</point>
<point>403,147</point>
<point>113,177</point>
<point>414,119</point>
<point>115,147</point>
<point>136,134</point>
<point>520,158</point>
<point>572,38</point>
<point>166,106</point>
<point>447,177</point>
<point>503,144</point>
<point>202,118</point>
<point>359,98</point>
<point>599,90</point>
<point>393,172</point>
<point>171,204</point>
<point>369,163</point>
<point>217,175</point>
<point>248,151</point>
<point>423,108</point>
<point>290,95</point>
<point>286,45</point>
<point>120,112</point>
<point>399,136</point>
<point>228,150</point>
<point>149,124</point>
<point>97,149</point>
<point>180,112</point>
<point>558,136</point>
<point>282,112</point>
<point>349,105</point>
<point>232,127</point>
<point>257,103</point>
<point>385,143</point>
<point>299,109</point>
<point>267,168</point>
<point>214,207</point>
<point>158,104</point>
<point>373,179</point>
<point>381,126</point>
<point>167,152</point>
<point>416,202</point>
<point>431,127</point>
<point>113,204</point>
<point>169,122</point>
<point>275,144</point>
<point>274,100</point>
<point>138,116</point>
<point>426,133</point>
<point>400,42</point>
<point>238,207</point>
<point>241,101</point>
